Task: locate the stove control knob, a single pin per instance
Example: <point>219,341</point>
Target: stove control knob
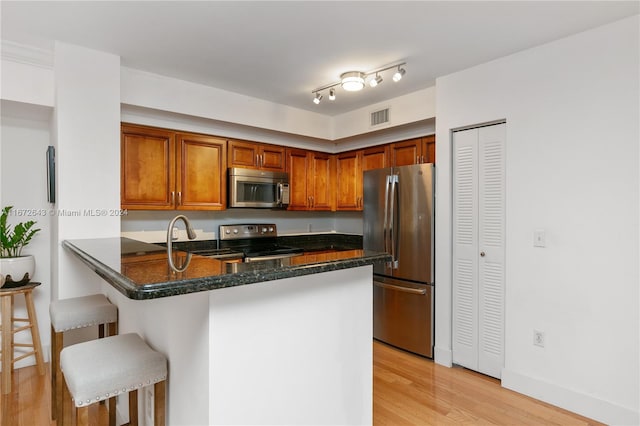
<point>271,229</point>
<point>264,230</point>
<point>235,231</point>
<point>228,231</point>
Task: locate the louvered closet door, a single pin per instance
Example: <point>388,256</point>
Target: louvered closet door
<point>478,253</point>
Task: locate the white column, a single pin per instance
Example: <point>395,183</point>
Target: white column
<point>87,140</point>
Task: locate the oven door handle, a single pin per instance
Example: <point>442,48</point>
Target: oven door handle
<point>276,256</point>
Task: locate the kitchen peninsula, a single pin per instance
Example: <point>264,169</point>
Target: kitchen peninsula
<point>264,343</point>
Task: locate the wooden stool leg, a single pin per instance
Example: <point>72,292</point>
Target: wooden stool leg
<point>82,415</point>
<point>67,407</point>
<point>133,408</point>
<point>112,328</point>
<point>112,411</point>
<point>57,389</point>
<point>159,411</point>
<point>35,332</point>
<point>7,342</point>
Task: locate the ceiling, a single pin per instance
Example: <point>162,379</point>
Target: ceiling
<point>281,51</point>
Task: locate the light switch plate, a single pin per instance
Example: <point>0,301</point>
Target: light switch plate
<point>539,238</point>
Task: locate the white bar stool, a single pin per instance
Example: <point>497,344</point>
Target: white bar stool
<point>73,313</point>
<point>101,369</point>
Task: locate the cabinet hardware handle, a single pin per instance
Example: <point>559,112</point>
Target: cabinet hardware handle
<point>173,197</point>
<point>482,254</point>
<point>420,291</point>
<point>180,198</point>
<point>417,159</point>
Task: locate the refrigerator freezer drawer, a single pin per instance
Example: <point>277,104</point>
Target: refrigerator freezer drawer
<point>402,315</point>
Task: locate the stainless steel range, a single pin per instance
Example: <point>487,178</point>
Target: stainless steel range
<point>257,242</point>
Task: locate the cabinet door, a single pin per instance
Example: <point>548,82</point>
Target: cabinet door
<point>243,154</point>
<point>321,184</point>
<point>298,166</point>
<point>376,157</point>
<point>202,179</point>
<point>406,153</point>
<point>272,157</point>
<point>349,180</point>
<point>429,149</point>
<point>147,171</point>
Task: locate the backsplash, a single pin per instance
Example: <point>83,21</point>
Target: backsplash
<point>154,223</point>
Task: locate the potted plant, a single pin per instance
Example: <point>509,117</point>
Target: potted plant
<point>14,267</point>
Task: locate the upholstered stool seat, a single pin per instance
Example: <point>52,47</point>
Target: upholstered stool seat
<point>70,314</point>
<point>80,312</point>
<point>101,369</point>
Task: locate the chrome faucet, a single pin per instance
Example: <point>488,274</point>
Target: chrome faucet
<point>190,233</point>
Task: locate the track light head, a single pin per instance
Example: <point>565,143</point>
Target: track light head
<point>317,99</point>
<point>398,75</point>
<point>375,81</point>
<point>332,94</point>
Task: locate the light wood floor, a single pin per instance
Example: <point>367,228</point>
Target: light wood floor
<point>407,390</point>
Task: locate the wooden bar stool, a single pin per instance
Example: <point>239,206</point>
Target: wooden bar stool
<point>8,330</point>
<point>104,368</point>
<point>73,313</point>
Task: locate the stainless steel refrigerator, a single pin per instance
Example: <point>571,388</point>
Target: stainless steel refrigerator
<point>399,219</point>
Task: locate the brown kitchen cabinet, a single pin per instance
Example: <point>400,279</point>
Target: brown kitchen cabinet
<point>166,170</point>
<point>413,151</point>
<point>254,155</point>
<point>310,180</point>
<point>350,167</point>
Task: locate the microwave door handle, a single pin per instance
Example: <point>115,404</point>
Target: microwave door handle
<point>279,191</point>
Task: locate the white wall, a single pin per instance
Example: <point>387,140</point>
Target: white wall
<point>23,143</point>
<point>572,111</point>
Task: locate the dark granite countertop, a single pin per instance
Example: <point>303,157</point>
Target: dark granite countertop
<point>141,270</point>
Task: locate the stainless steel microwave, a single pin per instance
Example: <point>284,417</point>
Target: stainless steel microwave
<point>258,188</point>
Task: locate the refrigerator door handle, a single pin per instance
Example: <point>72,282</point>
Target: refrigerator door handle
<point>385,224</point>
<point>392,224</point>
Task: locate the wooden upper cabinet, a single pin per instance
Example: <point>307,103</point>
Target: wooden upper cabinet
<point>254,155</point>
<point>147,168</point>
<point>350,167</point>
<point>413,151</point>
<point>376,157</point>
<point>164,170</point>
<point>322,188</point>
<point>202,178</point>
<point>349,180</point>
<point>406,152</point>
<point>310,180</point>
<point>429,149</point>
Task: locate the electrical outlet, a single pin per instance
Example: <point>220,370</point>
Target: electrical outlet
<point>538,338</point>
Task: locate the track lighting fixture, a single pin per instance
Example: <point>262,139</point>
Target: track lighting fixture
<point>353,81</point>
<point>398,75</point>
<point>375,81</point>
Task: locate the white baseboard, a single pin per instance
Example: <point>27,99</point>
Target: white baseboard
<point>443,356</point>
<point>577,402</point>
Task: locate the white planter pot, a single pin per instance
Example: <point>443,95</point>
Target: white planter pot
<point>17,269</point>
